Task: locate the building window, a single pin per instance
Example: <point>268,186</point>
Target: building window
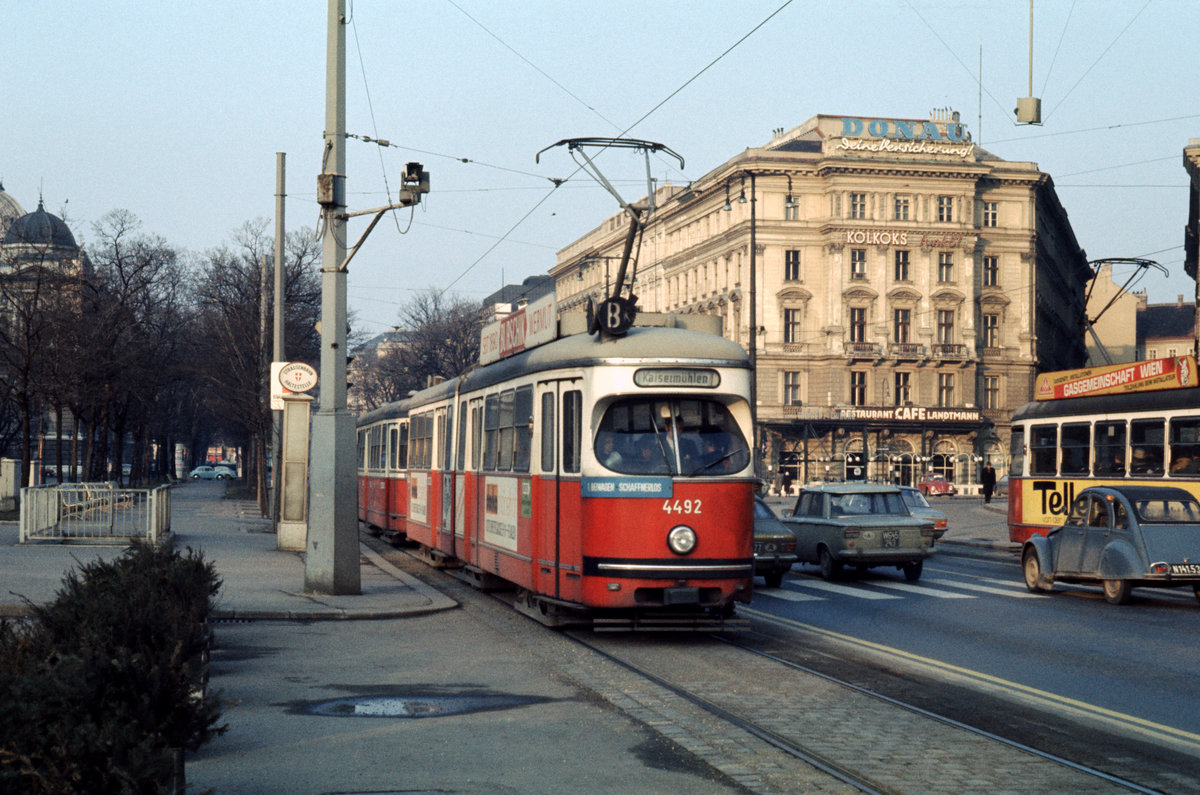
<point>903,388</point>
<point>791,265</point>
<point>991,331</point>
<point>945,266</point>
<point>858,263</point>
<point>945,209</point>
<point>858,388</point>
<point>902,205</point>
<point>990,214</point>
<point>858,324</point>
<point>791,212</point>
<point>791,325</point>
<point>901,274</point>
<point>791,388</point>
<point>945,389</point>
<point>991,271</point>
<point>991,391</point>
<point>945,326</point>
<point>858,205</point>
<point>901,324</point>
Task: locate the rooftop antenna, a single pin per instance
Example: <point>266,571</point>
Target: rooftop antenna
<point>615,314</point>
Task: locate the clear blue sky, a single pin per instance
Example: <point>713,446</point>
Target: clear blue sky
<point>174,111</point>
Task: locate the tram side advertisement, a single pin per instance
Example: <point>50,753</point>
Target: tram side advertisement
<point>1174,372</point>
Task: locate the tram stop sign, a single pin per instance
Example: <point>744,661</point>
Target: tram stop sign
<point>611,316</point>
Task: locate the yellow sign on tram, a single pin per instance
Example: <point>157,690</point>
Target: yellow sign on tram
<point>1173,372</point>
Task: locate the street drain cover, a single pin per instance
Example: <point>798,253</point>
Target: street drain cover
<point>416,707</point>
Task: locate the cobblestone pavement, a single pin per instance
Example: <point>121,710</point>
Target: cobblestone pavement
<point>897,749</point>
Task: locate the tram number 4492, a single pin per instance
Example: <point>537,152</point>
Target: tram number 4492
<point>681,506</point>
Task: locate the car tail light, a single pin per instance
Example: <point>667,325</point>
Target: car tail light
<point>788,547</point>
<point>941,524</point>
<point>1160,568</point>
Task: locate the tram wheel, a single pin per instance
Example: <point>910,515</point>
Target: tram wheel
<point>830,569</point>
<point>1116,592</point>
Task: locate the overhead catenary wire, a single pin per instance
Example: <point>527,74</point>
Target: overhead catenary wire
<point>375,127</point>
<point>625,131</point>
<point>1098,59</point>
<point>1054,58</point>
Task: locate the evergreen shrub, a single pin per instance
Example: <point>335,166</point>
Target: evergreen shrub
<point>102,689</point>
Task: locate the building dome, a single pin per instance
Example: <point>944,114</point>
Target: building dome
<point>40,228</point>
<point>10,210</point>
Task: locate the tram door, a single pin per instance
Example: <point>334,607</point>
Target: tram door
<point>445,460</point>
<point>472,516</point>
<point>555,495</point>
<point>546,496</point>
<point>460,480</point>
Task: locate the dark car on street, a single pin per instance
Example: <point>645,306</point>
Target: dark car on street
<point>861,525</point>
<point>774,545</point>
<point>1120,537</point>
<point>919,507</point>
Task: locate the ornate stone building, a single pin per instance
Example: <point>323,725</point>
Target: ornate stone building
<point>897,286</point>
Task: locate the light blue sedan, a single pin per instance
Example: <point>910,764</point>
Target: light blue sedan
<point>212,473</point>
<point>1120,537</point>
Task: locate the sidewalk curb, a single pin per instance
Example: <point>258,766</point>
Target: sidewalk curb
<point>437,602</point>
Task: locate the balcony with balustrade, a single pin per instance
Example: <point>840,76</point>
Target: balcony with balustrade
<point>907,351</point>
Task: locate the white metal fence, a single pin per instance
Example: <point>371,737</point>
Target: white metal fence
<point>94,512</point>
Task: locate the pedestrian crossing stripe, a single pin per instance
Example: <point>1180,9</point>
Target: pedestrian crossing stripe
<point>796,589</point>
<point>913,588</point>
<point>969,586</point>
<point>789,596</point>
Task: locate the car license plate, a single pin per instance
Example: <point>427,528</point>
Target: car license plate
<point>1185,568</point>
<point>891,539</point>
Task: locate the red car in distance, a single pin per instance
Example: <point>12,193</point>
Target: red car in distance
<point>933,485</point>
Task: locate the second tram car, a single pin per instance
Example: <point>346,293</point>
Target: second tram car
<point>610,480</point>
<point>1061,445</point>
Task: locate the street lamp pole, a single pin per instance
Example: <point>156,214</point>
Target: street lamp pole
<point>331,562</point>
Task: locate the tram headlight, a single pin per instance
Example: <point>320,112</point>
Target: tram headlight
<point>681,539</point>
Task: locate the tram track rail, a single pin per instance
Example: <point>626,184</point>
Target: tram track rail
<point>833,728</point>
<point>925,713</point>
<point>840,772</point>
<point>1053,772</point>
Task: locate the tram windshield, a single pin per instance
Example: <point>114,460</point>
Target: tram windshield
<point>646,436</point>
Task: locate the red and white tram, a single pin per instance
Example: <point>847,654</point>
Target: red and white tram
<point>610,480</point>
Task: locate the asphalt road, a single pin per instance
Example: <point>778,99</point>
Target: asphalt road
<point>971,619</point>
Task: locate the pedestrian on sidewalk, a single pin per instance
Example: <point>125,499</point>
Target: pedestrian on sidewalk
<point>988,480</point>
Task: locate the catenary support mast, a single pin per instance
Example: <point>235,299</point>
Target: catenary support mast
<point>331,562</point>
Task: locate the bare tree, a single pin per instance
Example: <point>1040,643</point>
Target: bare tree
<point>445,334</point>
<point>134,328</point>
<point>229,357</point>
<point>34,284</point>
<point>441,340</point>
